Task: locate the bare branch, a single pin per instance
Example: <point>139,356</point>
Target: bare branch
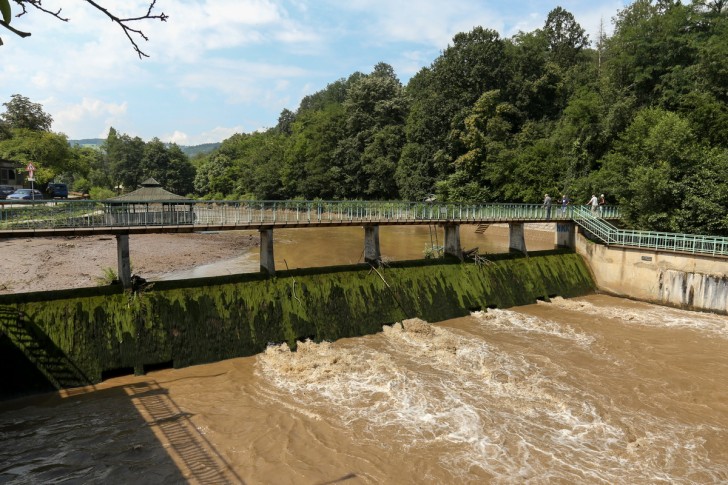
<point>39,5</point>
<point>14,30</point>
<point>131,33</point>
<point>128,31</point>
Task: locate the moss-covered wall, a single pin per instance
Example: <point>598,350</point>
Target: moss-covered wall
<point>73,337</point>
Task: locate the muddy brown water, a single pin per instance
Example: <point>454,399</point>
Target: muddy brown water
<point>588,390</point>
<point>315,247</point>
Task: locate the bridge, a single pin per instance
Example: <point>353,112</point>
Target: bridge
<point>84,218</point>
<point>112,217</point>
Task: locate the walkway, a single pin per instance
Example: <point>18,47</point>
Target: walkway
<point>77,218</point>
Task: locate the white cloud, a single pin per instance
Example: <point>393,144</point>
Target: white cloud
<point>239,81</point>
<point>214,135</point>
<point>88,116</point>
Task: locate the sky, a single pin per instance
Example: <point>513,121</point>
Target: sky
<point>220,67</point>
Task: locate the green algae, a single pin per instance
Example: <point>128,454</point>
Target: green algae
<point>100,330</point>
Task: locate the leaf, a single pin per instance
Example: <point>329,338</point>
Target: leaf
<point>5,9</point>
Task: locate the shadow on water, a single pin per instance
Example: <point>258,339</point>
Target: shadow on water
<point>37,363</point>
<point>132,433</point>
<point>136,431</point>
<point>197,458</point>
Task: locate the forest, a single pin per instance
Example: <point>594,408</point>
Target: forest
<point>640,115</point>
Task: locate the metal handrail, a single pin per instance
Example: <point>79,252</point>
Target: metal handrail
<point>657,240</point>
<point>106,214</point>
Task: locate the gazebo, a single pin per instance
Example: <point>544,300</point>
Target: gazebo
<point>149,205</point>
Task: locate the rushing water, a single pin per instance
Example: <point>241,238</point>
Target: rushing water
<point>589,390</point>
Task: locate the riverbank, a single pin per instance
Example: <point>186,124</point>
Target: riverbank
<point>41,264</point>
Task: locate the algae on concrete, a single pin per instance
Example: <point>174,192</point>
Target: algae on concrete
<point>91,333</point>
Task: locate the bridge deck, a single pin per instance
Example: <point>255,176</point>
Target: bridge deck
<point>79,218</point>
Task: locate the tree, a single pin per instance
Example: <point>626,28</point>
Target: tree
<point>126,23</point>
<point>566,38</point>
<point>376,109</point>
<point>48,151</point>
<point>649,169</point>
<point>21,113</point>
<point>124,158</point>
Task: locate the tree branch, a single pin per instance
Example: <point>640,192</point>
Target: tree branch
<point>131,33</point>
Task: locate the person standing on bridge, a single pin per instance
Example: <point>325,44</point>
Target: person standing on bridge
<point>564,203</point>
<point>547,205</point>
<point>602,203</point>
<point>594,203</point>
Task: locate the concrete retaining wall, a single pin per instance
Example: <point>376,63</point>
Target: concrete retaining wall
<point>682,280</point>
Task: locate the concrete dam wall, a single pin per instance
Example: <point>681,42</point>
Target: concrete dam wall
<point>53,340</point>
<point>695,282</point>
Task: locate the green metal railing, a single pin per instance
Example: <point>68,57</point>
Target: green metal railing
<point>160,215</point>
<point>241,214</point>
<point>663,241</point>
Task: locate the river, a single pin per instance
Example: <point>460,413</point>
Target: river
<point>314,247</point>
<point>594,389</point>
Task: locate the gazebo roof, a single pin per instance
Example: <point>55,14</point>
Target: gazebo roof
<point>150,191</point>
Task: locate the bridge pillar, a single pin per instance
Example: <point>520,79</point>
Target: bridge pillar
<point>566,235</point>
<point>517,240</point>
<point>372,254</point>
<point>123,260</point>
<point>267,263</point>
<point>452,241</point>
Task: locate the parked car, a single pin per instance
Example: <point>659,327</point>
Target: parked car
<point>57,191</point>
<point>26,194</point>
<point>6,190</point>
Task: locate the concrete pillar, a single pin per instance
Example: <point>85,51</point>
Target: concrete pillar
<point>372,254</point>
<point>267,263</point>
<point>452,241</point>
<point>123,259</point>
<point>566,235</point>
<point>517,240</point>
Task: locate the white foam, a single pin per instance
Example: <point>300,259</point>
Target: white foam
<point>505,414</point>
<point>651,315</point>
<point>509,321</point>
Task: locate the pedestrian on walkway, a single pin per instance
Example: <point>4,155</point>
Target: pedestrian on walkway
<point>593,203</point>
<point>547,205</point>
<point>602,203</point>
<point>564,203</point>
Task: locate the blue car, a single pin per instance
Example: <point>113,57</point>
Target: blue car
<point>26,194</point>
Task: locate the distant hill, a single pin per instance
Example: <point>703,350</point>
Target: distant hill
<point>190,151</point>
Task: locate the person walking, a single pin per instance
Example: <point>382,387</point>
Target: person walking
<point>547,205</point>
<point>593,203</point>
<point>602,203</point>
<point>564,203</point>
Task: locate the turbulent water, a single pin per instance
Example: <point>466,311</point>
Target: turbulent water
<point>589,390</point>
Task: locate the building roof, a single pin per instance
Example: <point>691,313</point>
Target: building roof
<point>150,191</point>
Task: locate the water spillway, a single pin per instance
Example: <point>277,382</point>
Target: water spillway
<point>77,337</point>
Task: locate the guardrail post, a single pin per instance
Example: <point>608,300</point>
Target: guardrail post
<point>516,240</point>
<point>452,241</point>
<point>124,261</point>
<point>267,263</point>
<point>372,253</point>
